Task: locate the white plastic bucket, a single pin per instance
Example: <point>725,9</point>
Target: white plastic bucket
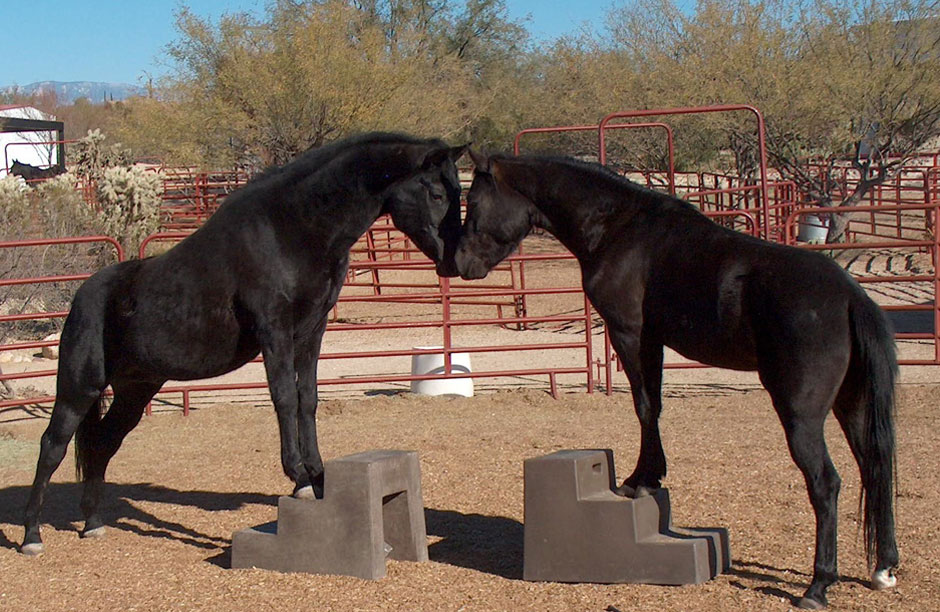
<point>813,228</point>
<point>433,363</point>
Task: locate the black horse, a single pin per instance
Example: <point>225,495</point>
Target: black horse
<point>662,274</point>
<point>260,276</point>
<point>34,173</point>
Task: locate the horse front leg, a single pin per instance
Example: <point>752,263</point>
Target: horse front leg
<point>643,362</point>
<point>307,354</point>
<point>277,348</point>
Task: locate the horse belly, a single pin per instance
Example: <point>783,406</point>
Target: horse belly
<point>194,347</point>
<point>715,336</point>
<point>716,351</point>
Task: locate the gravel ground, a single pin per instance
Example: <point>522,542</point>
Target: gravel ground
<point>181,486</point>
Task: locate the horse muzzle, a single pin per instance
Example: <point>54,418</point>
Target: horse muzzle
<point>470,267</point>
<point>447,268</point>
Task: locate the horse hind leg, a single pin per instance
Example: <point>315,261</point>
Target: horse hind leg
<point>99,439</point>
<point>802,404</point>
<point>807,446</point>
<point>67,414</point>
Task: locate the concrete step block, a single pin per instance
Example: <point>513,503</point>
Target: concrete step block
<point>372,509</point>
<point>578,530</point>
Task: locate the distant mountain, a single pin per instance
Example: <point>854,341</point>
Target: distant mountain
<point>68,92</point>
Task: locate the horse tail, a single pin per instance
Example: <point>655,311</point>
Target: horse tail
<point>85,436</point>
<point>875,368</point>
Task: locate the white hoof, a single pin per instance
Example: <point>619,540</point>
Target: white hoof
<point>33,550</point>
<point>883,579</point>
<point>305,493</point>
<point>97,532</point>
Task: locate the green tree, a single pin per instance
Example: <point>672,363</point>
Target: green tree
<point>259,90</point>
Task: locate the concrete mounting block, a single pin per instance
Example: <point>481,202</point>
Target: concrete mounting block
<point>578,530</point>
<point>371,509</point>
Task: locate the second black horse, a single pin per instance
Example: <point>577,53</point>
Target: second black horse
<point>661,274</point>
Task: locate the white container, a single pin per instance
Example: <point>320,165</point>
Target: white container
<point>433,363</point>
<point>813,229</point>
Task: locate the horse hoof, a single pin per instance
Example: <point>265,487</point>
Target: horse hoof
<point>97,532</point>
<point>33,550</point>
<point>305,493</point>
<point>807,603</point>
<point>633,493</point>
<point>883,579</point>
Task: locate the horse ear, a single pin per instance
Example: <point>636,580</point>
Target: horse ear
<point>435,157</point>
<point>481,162</point>
<point>457,152</point>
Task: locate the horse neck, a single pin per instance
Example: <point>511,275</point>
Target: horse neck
<point>573,206</point>
<point>344,210</point>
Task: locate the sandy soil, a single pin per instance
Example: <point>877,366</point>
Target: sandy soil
<point>181,486</point>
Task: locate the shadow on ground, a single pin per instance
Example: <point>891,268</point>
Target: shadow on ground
<point>489,544</point>
<point>61,510</point>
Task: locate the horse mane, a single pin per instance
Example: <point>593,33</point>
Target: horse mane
<point>602,175</point>
<point>316,156</point>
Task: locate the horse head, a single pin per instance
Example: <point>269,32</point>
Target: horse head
<point>424,202</point>
<point>18,168</point>
<point>498,218</point>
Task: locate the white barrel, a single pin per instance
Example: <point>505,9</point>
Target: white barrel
<point>433,363</point>
<point>813,228</point>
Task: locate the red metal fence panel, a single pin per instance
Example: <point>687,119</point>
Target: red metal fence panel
<point>22,245</point>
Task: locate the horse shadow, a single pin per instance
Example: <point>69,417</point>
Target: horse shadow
<point>61,510</point>
<point>488,544</point>
<point>771,582</point>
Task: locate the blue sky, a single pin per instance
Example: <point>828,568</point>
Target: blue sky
<point>120,40</point>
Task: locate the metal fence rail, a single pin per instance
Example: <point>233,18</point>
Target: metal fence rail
<point>42,315</point>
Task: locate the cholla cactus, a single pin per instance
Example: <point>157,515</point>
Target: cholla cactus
<point>90,156</point>
<point>61,209</point>
<point>12,188</point>
<point>130,204</point>
<point>57,184</point>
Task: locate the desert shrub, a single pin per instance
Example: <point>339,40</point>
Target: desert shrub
<point>14,207</point>
<point>61,209</point>
<point>50,209</point>
<point>127,209</point>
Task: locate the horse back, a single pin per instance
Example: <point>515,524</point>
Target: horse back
<point>715,295</point>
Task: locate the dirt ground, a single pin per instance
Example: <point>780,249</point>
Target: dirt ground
<point>181,486</point>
